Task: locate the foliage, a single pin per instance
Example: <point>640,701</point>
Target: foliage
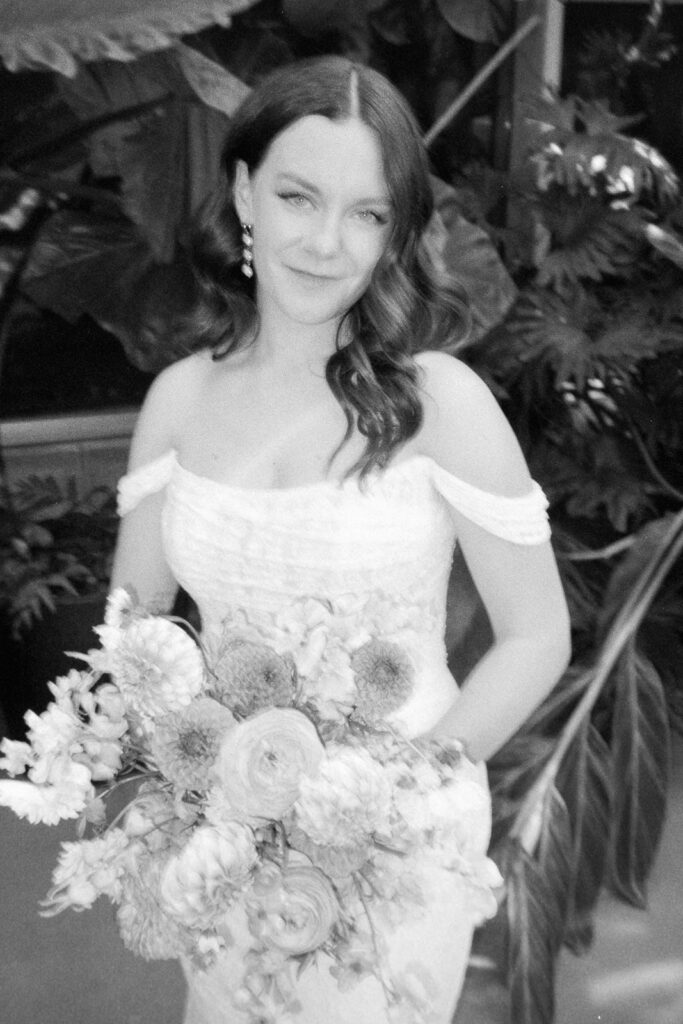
<point>52,542</point>
<point>589,364</point>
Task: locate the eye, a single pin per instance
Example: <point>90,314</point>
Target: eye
<point>373,217</point>
<point>296,199</point>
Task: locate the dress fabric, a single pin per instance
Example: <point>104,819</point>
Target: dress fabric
<point>262,550</point>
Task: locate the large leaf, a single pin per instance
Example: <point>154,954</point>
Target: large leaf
<point>167,159</point>
<point>646,545</point>
<point>470,256</point>
<point>585,781</point>
<point>57,34</point>
<point>88,264</point>
<point>536,900</point>
<point>484,21</point>
<point>640,749</point>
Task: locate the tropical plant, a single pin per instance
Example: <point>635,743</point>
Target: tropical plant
<point>589,363</point>
<point>52,542</point>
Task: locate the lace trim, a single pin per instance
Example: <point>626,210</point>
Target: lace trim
<point>143,481</point>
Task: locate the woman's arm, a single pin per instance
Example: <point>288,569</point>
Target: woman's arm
<point>139,560</point>
<point>467,434</point>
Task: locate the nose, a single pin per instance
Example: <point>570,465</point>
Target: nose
<point>325,238</point>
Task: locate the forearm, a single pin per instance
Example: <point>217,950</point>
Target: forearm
<point>501,692</point>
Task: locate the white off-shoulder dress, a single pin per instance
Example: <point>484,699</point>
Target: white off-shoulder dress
<point>260,550</point>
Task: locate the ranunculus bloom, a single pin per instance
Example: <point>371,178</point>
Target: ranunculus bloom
<point>263,760</point>
<point>294,910</point>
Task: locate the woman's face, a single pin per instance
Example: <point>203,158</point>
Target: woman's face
<point>321,215</point>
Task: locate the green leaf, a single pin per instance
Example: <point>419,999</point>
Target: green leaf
<point>536,895</point>
<point>471,258</point>
<point>484,21</point>
<point>640,749</point>
<point>39,34</point>
<point>646,545</point>
<point>585,781</point>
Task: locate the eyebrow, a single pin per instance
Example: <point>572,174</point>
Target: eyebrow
<point>381,200</point>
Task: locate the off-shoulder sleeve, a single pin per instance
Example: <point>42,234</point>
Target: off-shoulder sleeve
<point>523,520</point>
<point>147,479</point>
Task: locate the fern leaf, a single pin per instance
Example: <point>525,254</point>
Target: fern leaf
<point>641,763</point>
<point>585,781</point>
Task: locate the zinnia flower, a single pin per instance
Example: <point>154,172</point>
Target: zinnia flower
<point>252,676</point>
<point>346,802</point>
<point>263,760</point>
<point>200,883</point>
<point>293,910</point>
<point>185,743</point>
<point>157,667</point>
<point>384,679</point>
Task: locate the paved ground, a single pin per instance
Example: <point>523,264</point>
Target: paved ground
<point>72,969</point>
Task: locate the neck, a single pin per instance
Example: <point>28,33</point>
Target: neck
<point>294,346</point>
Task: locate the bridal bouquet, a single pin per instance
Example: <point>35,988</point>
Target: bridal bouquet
<point>252,783</point>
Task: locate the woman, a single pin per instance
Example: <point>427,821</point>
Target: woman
<point>303,451</point>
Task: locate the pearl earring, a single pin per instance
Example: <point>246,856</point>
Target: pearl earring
<point>247,251</point>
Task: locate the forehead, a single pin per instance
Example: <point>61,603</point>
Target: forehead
<point>344,155</point>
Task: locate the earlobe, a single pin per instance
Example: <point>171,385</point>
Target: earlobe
<point>241,192</point>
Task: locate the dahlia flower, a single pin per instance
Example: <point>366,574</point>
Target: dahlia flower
<point>155,664</point>
<point>145,927</point>
<point>384,677</point>
<point>347,801</point>
<point>250,676</point>
<point>199,883</point>
<point>185,743</point>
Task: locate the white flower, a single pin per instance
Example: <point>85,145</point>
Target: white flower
<point>200,883</point>
<point>144,926</point>
<point>119,609</point>
<point>157,667</point>
<point>50,802</point>
<point>185,743</point>
<point>263,760</point>
<point>16,756</point>
<point>348,800</point>
<point>625,181</point>
<point>293,910</point>
<point>598,163</point>
<point>86,870</point>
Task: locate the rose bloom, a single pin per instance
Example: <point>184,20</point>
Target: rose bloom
<point>263,760</point>
<point>293,910</point>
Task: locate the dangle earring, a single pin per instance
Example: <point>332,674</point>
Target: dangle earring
<point>247,251</point>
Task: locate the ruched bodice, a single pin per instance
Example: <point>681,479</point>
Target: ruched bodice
<point>260,551</point>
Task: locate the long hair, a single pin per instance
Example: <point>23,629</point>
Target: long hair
<point>408,304</point>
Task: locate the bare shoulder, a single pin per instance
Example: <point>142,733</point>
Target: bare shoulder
<point>465,430</point>
<point>169,402</point>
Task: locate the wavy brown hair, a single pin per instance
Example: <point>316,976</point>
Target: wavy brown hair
<point>408,304</point>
